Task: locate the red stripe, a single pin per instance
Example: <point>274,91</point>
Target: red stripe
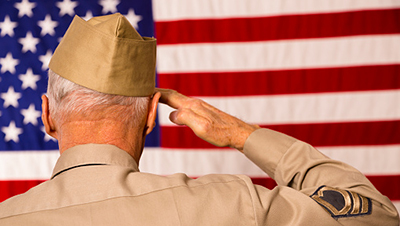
<point>378,77</point>
<point>279,27</point>
<point>342,134</point>
<point>15,187</point>
<point>388,185</point>
<point>327,134</point>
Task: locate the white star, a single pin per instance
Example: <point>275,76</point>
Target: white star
<point>133,18</point>
<point>67,7</point>
<point>88,15</point>
<point>47,26</point>
<point>31,115</point>
<point>29,79</point>
<point>46,59</point>
<point>28,43</point>
<point>47,137</point>
<point>109,6</point>
<point>8,64</point>
<point>11,97</point>
<point>25,8</point>
<point>7,27</point>
<point>12,132</point>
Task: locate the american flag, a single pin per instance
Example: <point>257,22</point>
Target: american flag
<point>326,72</point>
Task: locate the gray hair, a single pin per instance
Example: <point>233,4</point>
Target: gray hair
<point>66,97</point>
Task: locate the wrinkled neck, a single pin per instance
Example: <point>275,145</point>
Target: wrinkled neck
<point>104,131</point>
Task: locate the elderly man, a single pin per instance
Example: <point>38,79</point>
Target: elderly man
<point>102,103</point>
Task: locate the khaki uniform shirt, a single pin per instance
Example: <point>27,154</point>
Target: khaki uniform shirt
<point>101,185</point>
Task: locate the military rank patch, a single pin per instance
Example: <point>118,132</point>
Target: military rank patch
<point>342,203</point>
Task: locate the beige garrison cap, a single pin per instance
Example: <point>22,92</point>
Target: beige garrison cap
<point>108,55</point>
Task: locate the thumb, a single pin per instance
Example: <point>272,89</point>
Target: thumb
<point>173,116</point>
<point>185,116</point>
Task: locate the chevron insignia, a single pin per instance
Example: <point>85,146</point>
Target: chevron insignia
<point>342,203</point>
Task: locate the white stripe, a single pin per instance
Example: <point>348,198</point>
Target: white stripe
<point>278,55</point>
<point>167,10</point>
<point>306,108</point>
<point>370,160</point>
<point>27,165</point>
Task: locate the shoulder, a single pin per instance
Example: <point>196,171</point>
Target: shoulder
<point>26,202</point>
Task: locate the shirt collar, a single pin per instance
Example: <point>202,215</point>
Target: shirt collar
<point>93,154</point>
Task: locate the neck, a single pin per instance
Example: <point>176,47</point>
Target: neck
<point>105,131</point>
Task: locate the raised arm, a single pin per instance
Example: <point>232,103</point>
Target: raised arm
<point>312,189</point>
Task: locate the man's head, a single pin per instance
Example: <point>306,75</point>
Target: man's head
<point>101,79</point>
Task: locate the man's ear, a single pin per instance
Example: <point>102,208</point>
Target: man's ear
<point>151,116</point>
<point>46,118</point>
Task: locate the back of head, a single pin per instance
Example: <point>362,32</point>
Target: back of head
<point>69,101</point>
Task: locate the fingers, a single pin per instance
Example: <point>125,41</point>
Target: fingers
<point>186,116</point>
<point>190,111</point>
<point>171,98</point>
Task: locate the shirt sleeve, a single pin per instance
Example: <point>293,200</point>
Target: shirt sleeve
<point>312,188</point>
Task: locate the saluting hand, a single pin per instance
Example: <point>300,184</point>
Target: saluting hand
<point>206,121</point>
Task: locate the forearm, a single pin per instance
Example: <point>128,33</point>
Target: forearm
<point>298,165</point>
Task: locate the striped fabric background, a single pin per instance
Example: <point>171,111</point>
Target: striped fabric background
<point>326,72</point>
